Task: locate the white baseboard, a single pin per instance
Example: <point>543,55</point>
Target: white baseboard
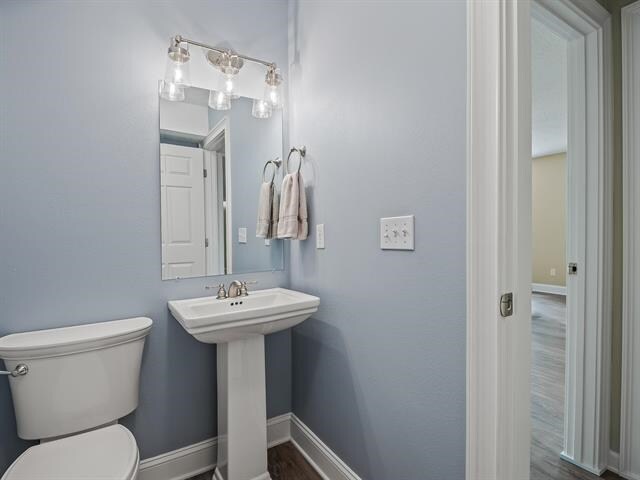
<point>544,288</point>
<point>321,457</point>
<point>200,457</point>
<point>194,459</point>
<point>591,469</point>
<point>614,462</point>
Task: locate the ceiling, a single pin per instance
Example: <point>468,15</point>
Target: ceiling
<point>549,85</point>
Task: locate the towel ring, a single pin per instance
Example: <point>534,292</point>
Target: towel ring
<point>276,164</point>
<point>302,151</point>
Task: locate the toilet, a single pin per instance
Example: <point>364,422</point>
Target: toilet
<point>80,380</point>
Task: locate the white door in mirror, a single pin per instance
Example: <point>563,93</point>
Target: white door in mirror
<point>182,206</point>
<point>396,233</point>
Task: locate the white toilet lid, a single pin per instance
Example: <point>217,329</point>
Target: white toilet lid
<point>109,453</point>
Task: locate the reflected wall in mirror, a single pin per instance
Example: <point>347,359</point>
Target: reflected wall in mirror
<point>211,164</point>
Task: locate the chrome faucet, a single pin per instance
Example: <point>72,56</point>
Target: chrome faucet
<point>235,289</point>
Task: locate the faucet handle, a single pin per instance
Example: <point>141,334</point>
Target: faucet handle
<point>243,288</point>
<point>222,293</point>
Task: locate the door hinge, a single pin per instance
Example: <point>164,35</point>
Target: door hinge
<point>204,173</point>
<point>506,304</point>
<point>206,242</point>
<point>572,269</point>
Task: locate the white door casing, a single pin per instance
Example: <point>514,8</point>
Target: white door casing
<point>586,28</point>
<point>499,235</point>
<point>630,407</point>
<point>182,207</point>
<point>498,239</point>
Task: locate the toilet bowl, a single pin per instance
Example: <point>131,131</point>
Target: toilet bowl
<point>80,380</point>
<point>108,453</point>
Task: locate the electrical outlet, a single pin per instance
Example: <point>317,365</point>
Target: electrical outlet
<point>242,235</point>
<point>320,236</point>
<point>552,272</point>
<point>267,242</point>
<point>397,233</point>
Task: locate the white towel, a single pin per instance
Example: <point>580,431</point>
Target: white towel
<point>265,208</point>
<point>292,221</point>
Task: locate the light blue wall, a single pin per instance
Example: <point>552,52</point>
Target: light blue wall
<point>378,97</point>
<point>79,195</point>
<point>253,142</point>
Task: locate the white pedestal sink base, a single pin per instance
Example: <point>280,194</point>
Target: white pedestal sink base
<point>242,411</point>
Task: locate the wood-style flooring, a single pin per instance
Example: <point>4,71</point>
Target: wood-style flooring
<point>547,392</point>
<point>285,463</point>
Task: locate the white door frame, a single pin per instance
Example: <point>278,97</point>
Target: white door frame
<point>499,238</point>
<point>214,133</point>
<point>630,407</point>
<point>586,28</point>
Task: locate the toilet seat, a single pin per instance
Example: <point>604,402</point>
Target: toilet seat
<point>108,453</point>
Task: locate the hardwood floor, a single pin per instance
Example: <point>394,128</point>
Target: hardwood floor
<point>547,392</point>
<point>285,463</point>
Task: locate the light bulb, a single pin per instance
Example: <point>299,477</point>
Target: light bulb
<point>261,108</point>
<point>230,86</point>
<point>177,71</point>
<point>273,88</point>
<point>219,100</point>
<point>170,91</point>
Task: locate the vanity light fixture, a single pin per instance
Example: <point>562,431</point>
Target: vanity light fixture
<point>261,108</point>
<point>219,100</point>
<point>229,63</point>
<point>178,57</point>
<point>273,87</point>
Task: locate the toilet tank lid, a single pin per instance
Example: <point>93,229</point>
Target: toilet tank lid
<point>62,341</point>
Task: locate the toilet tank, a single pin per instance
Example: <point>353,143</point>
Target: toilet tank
<point>79,377</point>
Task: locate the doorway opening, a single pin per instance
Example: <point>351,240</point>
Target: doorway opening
<point>549,258</point>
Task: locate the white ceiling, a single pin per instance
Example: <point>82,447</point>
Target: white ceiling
<point>549,84</point>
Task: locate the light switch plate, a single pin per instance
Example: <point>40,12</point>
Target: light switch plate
<point>397,233</point>
<point>242,235</point>
<point>320,236</point>
<point>267,242</point>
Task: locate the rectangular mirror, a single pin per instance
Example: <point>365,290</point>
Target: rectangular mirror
<point>211,167</point>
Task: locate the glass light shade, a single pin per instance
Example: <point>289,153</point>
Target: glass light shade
<point>219,100</point>
<point>230,86</point>
<point>261,108</point>
<point>273,95</point>
<point>170,91</point>
<point>177,72</point>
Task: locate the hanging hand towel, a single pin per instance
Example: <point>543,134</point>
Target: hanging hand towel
<point>303,223</point>
<point>275,213</point>
<point>265,207</point>
<point>292,221</point>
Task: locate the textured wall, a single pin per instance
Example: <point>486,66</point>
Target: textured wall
<point>80,196</point>
<point>378,96</point>
<point>549,217</point>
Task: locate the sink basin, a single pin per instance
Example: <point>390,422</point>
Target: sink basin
<point>238,325</point>
<point>262,312</point>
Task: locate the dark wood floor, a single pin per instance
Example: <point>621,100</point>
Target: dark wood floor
<point>547,392</point>
<point>285,463</point>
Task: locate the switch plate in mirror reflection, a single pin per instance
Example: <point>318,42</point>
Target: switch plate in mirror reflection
<point>211,164</point>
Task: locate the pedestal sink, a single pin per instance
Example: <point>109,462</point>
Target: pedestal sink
<point>238,325</point>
